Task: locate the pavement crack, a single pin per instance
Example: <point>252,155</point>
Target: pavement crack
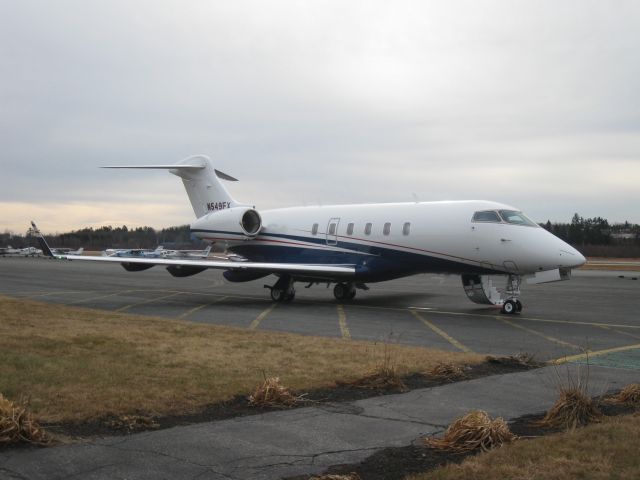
<point>354,450</point>
<point>208,468</point>
<point>12,474</point>
<point>86,473</point>
<point>407,419</point>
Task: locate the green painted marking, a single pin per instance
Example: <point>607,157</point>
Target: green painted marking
<point>629,359</point>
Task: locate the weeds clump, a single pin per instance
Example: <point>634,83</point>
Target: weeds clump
<point>446,371</point>
<point>473,431</point>
<point>574,408</point>
<point>132,423</point>
<point>385,375</point>
<point>346,476</point>
<point>17,424</point>
<point>382,377</point>
<point>271,393</point>
<point>629,395</point>
<point>521,359</point>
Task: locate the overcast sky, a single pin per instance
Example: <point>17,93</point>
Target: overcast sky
<point>531,103</point>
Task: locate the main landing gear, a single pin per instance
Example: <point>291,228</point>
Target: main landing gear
<point>344,291</point>
<point>283,290</point>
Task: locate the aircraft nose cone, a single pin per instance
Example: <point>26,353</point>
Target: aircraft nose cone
<point>570,257</point>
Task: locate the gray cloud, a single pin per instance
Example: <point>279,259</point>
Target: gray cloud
<point>530,103</point>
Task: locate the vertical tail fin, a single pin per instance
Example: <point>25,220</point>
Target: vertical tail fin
<point>201,181</point>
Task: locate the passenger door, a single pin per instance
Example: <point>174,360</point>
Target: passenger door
<point>332,231</point>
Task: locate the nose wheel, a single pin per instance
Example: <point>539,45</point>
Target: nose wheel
<point>512,306</point>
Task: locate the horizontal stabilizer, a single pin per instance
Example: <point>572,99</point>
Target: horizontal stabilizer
<point>166,167</point>
<point>219,174</point>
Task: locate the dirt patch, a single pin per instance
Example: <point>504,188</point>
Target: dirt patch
<point>398,462</point>
<point>240,406</point>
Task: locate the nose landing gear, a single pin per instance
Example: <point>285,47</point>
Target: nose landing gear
<point>480,289</point>
<point>512,305</point>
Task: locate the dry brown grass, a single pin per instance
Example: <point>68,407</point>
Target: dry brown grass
<point>629,395</point>
<point>475,430</point>
<point>573,408</point>
<point>446,371</point>
<point>596,263</point>
<point>17,424</point>
<point>271,393</point>
<point>384,375</point>
<point>346,476</point>
<point>77,364</point>
<point>596,452</point>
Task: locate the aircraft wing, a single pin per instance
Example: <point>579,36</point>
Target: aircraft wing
<point>321,270</point>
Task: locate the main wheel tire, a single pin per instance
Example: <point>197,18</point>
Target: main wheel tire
<point>277,295</point>
<point>509,307</point>
<point>352,294</point>
<point>340,291</point>
<point>290,296</point>
<point>518,306</point>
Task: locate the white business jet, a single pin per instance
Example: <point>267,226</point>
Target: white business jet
<point>352,245</point>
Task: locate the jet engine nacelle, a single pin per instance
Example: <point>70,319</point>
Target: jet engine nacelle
<point>242,220</point>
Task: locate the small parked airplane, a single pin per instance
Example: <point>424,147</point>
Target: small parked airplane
<point>30,252</point>
<point>9,251</point>
<point>351,245</point>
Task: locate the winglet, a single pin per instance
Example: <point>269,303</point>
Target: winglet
<point>41,241</point>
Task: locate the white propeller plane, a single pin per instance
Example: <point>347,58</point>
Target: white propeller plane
<point>351,245</point>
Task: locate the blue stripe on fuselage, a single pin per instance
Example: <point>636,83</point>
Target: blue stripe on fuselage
<point>373,262</point>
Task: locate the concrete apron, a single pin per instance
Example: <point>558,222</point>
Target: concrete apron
<point>304,440</point>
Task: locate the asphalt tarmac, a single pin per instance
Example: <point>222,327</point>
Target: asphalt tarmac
<point>594,314</point>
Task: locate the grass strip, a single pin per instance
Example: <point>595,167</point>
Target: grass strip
<point>77,364</point>
<point>600,451</point>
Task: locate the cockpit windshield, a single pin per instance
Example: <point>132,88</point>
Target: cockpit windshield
<point>486,216</point>
<point>512,217</point>
<point>517,218</point>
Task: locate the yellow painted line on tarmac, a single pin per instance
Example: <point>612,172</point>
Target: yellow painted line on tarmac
<point>342,321</point>
<point>262,316</point>
<point>597,353</point>
<point>200,307</point>
<point>91,299</point>
<point>541,320</point>
<point>50,294</point>
<point>541,335</point>
<point>145,302</point>
<point>441,332</point>
<point>621,332</point>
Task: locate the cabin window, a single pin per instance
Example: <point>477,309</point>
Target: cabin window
<point>406,228</point>
<point>332,229</point>
<point>387,228</point>
<point>367,229</point>
<point>350,229</point>
<point>517,218</point>
<point>486,216</point>
<point>314,229</point>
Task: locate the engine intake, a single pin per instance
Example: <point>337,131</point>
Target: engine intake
<point>251,222</point>
<point>245,221</point>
